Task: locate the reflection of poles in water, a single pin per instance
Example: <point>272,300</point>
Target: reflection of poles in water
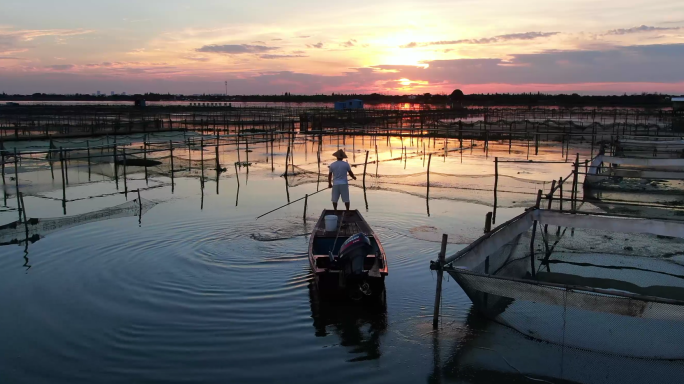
<point>116,166</point>
<point>318,176</point>
<point>427,195</point>
<point>436,376</point>
<point>377,162</point>
<point>147,181</point>
<point>405,157</point>
<point>123,153</point>
<point>202,161</point>
<point>173,184</point>
<point>16,182</point>
<point>61,167</point>
<point>88,149</point>
<point>354,148</point>
<point>218,169</point>
<point>237,178</point>
<point>139,209</point>
<point>26,231</point>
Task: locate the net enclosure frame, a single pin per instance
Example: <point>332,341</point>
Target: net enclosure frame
<point>500,274</point>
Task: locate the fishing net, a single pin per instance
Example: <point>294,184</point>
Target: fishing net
<point>36,228</point>
<point>511,191</point>
<point>604,284</point>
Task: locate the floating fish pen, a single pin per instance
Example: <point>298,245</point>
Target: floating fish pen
<point>602,283</point>
<point>643,176</point>
<point>45,121</point>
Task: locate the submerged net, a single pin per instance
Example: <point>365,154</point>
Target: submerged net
<point>35,228</point>
<point>609,285</point>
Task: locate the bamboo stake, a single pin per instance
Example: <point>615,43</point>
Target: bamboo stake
<point>496,187</point>
<point>440,275</point>
<point>16,181</point>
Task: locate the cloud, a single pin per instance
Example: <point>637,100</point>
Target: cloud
<point>270,57</point>
<point>299,52</point>
<point>276,39</point>
<point>196,58</point>
<point>485,40</point>
<point>60,67</point>
<point>235,49</point>
<point>303,37</point>
<point>10,37</point>
<point>259,42</point>
<point>317,45</point>
<point>637,68</point>
<point>349,43</point>
<point>643,28</point>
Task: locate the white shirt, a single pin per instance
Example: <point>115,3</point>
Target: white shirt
<point>339,170</point>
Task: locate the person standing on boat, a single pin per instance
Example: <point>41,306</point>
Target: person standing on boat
<point>337,179</point>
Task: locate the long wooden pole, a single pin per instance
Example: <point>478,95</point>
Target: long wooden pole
<point>428,175</point>
<point>553,188</point>
<point>574,185</point>
<point>534,232</point>
<point>365,164</point>
<point>306,203</point>
<point>496,187</point>
<point>16,181</point>
<point>440,275</point>
<point>290,203</point>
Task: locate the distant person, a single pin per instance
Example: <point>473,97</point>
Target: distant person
<point>337,179</point>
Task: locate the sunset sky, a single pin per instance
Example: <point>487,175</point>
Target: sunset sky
<point>307,46</point>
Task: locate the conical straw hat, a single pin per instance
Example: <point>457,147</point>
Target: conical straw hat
<point>340,153</point>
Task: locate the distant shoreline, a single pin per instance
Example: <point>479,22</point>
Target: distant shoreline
<point>482,100</point>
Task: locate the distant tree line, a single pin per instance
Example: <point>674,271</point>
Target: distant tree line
<point>457,98</point>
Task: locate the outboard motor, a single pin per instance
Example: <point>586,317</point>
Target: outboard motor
<point>353,253</point>
<point>351,258</point>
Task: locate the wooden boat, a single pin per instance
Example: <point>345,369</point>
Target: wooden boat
<point>331,269</point>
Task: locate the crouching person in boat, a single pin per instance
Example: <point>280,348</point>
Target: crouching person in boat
<point>337,179</point>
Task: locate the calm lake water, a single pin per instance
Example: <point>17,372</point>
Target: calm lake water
<point>197,290</point>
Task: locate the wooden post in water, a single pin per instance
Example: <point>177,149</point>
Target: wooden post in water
<point>116,168</point>
<point>553,186</point>
<point>23,210</point>
<point>171,151</point>
<point>440,275</point>
<point>405,157</point>
<point>496,187</point>
<point>140,207</point>
<point>488,222</point>
<point>123,153</point>
<point>287,158</point>
<point>61,167</point>
<point>218,164</point>
<point>16,181</point>
<point>365,164</point>
<point>573,199</point>
<point>428,175</point>
<point>534,232</point>
<point>66,165</point>
<point>560,193</point>
<point>88,153</point>
<point>306,203</point>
